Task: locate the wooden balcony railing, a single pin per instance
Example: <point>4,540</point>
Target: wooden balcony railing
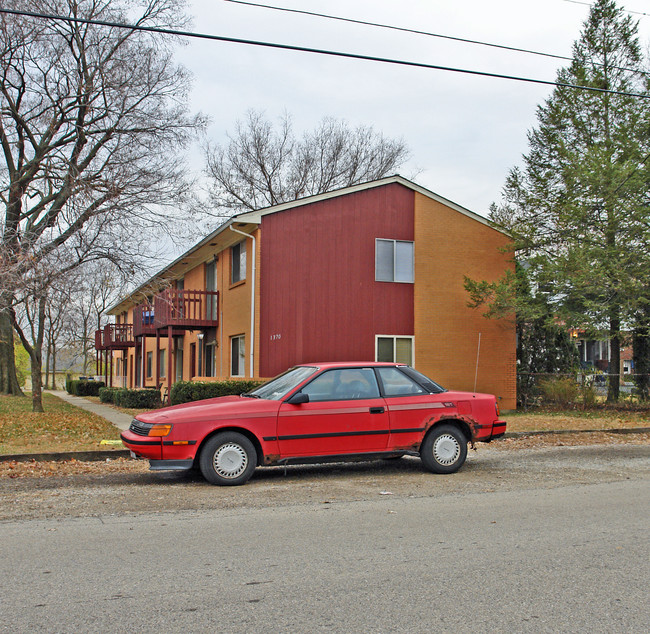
<point>143,320</point>
<point>184,308</point>
<point>99,339</point>
<point>118,336</point>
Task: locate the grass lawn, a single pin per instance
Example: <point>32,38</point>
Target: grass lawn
<point>62,427</point>
<point>591,419</point>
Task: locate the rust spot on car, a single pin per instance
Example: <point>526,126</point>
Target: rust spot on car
<point>271,458</point>
<point>415,447</point>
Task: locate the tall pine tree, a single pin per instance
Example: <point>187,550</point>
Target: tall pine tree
<point>578,209</point>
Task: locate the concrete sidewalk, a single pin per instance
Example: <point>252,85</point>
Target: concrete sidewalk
<point>120,420</point>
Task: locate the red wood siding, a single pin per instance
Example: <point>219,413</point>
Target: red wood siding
<point>319,299</point>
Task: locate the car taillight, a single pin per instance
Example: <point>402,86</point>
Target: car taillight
<point>496,407</point>
<point>159,430</point>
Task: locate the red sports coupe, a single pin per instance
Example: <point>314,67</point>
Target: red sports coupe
<point>318,412</point>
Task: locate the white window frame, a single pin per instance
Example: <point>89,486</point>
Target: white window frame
<point>241,357</point>
<point>162,365</point>
<point>395,242</point>
<point>242,262</point>
<point>395,338</point>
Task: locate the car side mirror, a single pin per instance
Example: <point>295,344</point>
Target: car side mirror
<point>298,398</point>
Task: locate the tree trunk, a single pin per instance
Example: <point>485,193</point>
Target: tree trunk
<point>47,368</point>
<point>8,377</point>
<point>54,367</point>
<point>614,384</point>
<point>37,392</point>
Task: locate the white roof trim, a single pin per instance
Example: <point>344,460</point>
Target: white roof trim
<point>256,216</point>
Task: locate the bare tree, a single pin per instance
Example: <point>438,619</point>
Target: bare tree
<point>264,165</point>
<point>56,314</point>
<point>91,122</point>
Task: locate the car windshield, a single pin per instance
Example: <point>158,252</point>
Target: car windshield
<point>278,387</point>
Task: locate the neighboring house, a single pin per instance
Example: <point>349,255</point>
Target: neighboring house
<point>595,353</point>
<point>370,272</point>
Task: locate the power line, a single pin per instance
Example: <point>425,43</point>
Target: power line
<point>589,4</point>
<point>317,51</point>
<point>399,28</point>
<point>453,38</point>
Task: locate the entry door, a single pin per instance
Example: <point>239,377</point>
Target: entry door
<point>345,414</point>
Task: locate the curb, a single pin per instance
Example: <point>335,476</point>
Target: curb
<point>625,430</point>
<point>98,456</point>
<point>82,456</point>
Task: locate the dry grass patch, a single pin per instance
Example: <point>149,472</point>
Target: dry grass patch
<point>62,427</point>
<point>561,421</point>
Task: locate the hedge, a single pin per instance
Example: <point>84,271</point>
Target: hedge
<point>107,394</point>
<point>84,388</point>
<point>186,391</point>
<point>137,399</point>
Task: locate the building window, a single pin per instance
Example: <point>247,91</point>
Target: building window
<point>237,356</point>
<point>394,261</point>
<point>394,349</point>
<point>149,364</point>
<point>238,262</point>
<point>162,368</point>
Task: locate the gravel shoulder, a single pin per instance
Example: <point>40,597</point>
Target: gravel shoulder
<point>39,490</point>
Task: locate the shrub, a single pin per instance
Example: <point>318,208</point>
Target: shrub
<point>187,391</point>
<point>107,394</point>
<point>559,391</point>
<point>84,388</point>
<point>137,399</point>
<point>88,388</point>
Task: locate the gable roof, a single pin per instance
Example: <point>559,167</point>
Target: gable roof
<point>256,216</point>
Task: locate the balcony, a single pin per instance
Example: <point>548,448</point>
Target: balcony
<point>186,309</point>
<point>117,336</point>
<point>99,339</point>
<point>143,321</point>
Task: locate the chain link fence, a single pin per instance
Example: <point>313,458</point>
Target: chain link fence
<point>587,388</point>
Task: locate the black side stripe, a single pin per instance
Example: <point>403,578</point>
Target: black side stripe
<point>374,432</point>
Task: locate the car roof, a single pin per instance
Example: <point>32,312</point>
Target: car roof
<point>351,364</point>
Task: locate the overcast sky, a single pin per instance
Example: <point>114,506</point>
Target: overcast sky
<point>465,132</point>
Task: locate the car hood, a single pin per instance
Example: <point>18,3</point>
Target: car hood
<point>208,409</point>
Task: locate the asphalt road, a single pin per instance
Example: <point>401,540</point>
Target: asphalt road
<point>572,557</point>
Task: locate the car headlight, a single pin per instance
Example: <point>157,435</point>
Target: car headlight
<point>160,429</point>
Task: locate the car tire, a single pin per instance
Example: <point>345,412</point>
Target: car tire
<point>444,449</point>
<point>228,459</point>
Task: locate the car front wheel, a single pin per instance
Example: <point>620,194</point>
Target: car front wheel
<point>228,459</point>
<point>444,449</point>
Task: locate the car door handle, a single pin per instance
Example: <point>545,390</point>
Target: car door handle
<point>376,410</point>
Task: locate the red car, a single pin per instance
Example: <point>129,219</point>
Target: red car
<point>318,413</point>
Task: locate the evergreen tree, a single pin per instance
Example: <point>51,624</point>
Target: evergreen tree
<point>578,208</point>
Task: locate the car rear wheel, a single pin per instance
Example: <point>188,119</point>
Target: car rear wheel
<point>228,459</point>
<point>444,449</point>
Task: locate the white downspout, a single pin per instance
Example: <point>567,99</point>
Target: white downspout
<point>252,341</point>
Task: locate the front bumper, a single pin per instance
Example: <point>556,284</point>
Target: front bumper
<point>141,446</point>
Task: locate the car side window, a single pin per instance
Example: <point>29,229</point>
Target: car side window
<point>343,385</point>
<point>396,383</point>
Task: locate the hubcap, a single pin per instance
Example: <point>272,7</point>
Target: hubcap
<point>446,449</point>
<point>230,460</point>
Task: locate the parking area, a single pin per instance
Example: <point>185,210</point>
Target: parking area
<point>75,489</point>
